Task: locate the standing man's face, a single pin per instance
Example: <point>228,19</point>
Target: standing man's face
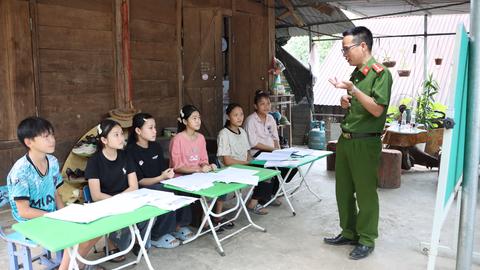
<point>353,52</point>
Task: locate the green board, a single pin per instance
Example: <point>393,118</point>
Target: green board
<point>454,139</point>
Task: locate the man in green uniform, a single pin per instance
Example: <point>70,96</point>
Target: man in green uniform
<point>359,147</point>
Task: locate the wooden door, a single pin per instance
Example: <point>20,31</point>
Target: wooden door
<point>202,65</point>
<point>251,58</point>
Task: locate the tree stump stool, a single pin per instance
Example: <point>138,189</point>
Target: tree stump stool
<point>331,146</point>
<point>390,169</point>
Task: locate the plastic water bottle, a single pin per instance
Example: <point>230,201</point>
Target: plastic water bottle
<point>413,124</point>
<point>404,118</point>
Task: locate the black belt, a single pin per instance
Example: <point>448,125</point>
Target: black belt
<point>350,136</point>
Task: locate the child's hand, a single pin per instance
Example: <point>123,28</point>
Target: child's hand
<point>168,173</point>
<point>206,168</point>
<point>213,167</point>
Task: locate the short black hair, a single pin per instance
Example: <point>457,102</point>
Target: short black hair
<point>360,34</point>
<point>32,127</point>
<point>185,113</point>
<point>103,129</point>
<point>138,121</point>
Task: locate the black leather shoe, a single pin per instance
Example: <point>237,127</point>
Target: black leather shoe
<point>339,240</point>
<point>360,251</point>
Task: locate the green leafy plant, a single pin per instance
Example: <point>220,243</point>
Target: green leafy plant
<point>429,112</point>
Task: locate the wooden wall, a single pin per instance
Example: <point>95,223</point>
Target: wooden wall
<point>62,60</point>
<point>155,58</point>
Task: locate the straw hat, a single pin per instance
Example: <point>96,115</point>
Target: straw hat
<point>123,116</point>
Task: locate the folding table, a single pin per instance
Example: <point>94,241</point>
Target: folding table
<point>300,162</point>
<point>220,189</point>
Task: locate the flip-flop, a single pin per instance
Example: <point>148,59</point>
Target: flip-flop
<point>166,241</point>
<point>183,234</point>
<point>258,210</point>
<point>229,225</point>
<point>113,251</point>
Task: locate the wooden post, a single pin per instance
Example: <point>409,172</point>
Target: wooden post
<point>179,7</point>
<point>120,90</point>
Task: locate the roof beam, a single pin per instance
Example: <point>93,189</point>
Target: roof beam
<point>298,20</point>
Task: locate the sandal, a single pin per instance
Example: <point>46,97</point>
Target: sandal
<point>166,241</point>
<point>229,225</point>
<point>258,209</point>
<point>113,251</point>
<point>183,234</point>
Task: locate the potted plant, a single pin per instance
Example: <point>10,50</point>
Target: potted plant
<point>431,114</point>
<point>403,71</point>
<point>389,63</point>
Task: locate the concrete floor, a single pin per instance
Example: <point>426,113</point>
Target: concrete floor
<point>293,243</point>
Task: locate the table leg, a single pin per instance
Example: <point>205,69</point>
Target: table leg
<point>281,190</point>
<point>303,180</point>
<point>73,253</point>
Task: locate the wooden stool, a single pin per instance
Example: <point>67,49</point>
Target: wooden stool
<point>331,146</point>
<point>390,169</point>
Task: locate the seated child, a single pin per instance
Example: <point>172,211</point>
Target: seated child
<point>35,177</point>
<point>151,169</point>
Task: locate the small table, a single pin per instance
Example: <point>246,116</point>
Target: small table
<point>405,137</point>
<point>56,235</point>
<point>220,189</point>
<point>302,161</point>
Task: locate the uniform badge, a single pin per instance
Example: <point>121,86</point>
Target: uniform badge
<point>365,70</point>
<point>377,67</point>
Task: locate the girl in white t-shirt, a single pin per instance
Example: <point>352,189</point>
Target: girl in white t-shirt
<point>233,148</point>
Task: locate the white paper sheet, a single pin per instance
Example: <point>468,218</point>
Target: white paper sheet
<point>273,156</point>
<point>284,163</point>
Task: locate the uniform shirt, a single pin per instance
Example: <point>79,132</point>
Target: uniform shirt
<point>232,144</point>
<point>259,132</point>
<point>374,80</point>
<point>149,162</point>
<point>25,182</point>
<point>187,152</point>
<point>113,174</point>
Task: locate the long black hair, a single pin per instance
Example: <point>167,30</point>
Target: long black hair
<point>103,129</point>
<point>138,121</point>
<point>185,113</point>
<point>259,94</point>
<point>229,109</point>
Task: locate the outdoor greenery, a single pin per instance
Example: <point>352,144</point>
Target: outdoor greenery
<point>299,48</point>
<point>429,112</point>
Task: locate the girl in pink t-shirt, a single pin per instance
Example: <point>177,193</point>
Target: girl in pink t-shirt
<point>188,149</point>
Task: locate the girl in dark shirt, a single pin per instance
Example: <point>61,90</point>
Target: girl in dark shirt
<point>151,169</point>
<point>110,172</point>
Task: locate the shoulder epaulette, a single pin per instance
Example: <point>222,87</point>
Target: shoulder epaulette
<point>377,67</point>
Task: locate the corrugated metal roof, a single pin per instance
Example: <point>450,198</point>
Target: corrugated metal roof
<point>399,49</point>
<point>380,7</point>
<point>310,16</point>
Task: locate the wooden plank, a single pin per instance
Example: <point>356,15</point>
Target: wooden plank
<point>105,6</point>
<point>202,4</point>
<point>79,61</point>
<point>75,39</point>
<point>146,89</point>
<point>154,51</point>
<point>259,62</point>
<point>141,30</point>
<point>164,110</point>
<point>5,97</point>
<point>154,10</point>
<point>70,125</point>
<point>250,7</point>
<point>58,83</point>
<point>153,70</point>
<point>180,77</point>
<point>120,75</point>
<point>241,87</point>
<point>76,103</point>
<point>52,15</point>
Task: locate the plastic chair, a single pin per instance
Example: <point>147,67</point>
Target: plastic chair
<point>19,248</point>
